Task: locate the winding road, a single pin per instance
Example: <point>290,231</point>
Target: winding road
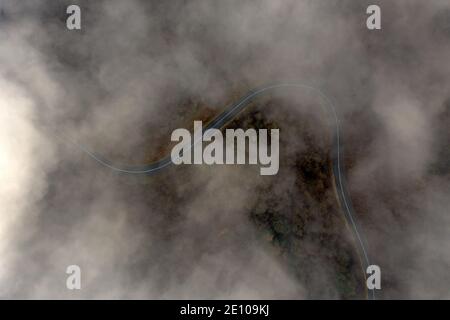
<point>230,113</point>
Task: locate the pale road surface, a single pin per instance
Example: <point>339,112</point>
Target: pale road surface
<point>229,114</point>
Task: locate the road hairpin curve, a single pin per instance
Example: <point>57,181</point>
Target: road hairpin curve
<point>229,114</point>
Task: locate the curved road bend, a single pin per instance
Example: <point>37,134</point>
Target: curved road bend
<point>229,114</point>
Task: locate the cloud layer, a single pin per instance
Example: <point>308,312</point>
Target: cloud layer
<point>138,69</point>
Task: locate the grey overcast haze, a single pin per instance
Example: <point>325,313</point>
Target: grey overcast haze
<point>137,70</point>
